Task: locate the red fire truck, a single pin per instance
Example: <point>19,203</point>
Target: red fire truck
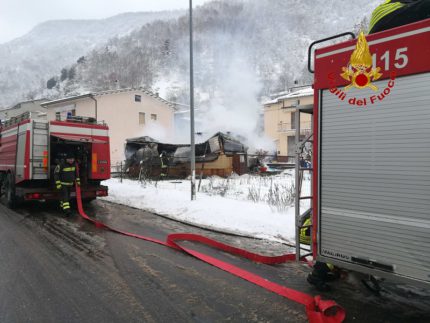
<point>31,146</point>
<point>371,192</point>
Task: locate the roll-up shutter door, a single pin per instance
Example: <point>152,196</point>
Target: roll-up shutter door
<point>375,178</point>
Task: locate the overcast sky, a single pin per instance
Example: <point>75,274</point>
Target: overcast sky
<point>18,17</point>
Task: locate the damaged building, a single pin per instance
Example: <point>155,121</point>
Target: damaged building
<point>220,155</point>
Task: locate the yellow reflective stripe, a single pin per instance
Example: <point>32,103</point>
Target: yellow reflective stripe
<point>392,7</point>
<point>382,11</point>
<point>383,8</point>
<point>57,182</point>
<point>305,238</point>
<point>69,169</point>
<point>67,183</point>
<point>381,14</point>
<point>330,266</point>
<point>65,207</point>
<point>66,203</point>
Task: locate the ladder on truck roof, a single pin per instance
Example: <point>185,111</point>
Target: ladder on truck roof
<point>23,116</point>
<point>300,171</point>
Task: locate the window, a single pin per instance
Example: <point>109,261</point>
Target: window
<point>153,117</point>
<point>291,148</point>
<point>141,117</point>
<point>295,103</point>
<point>293,120</point>
<point>137,98</point>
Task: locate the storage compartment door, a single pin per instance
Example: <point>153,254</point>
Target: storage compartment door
<point>374,178</point>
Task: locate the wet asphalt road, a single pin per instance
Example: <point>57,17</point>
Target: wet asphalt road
<point>65,270</point>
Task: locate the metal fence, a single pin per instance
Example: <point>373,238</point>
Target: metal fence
<point>117,170</point>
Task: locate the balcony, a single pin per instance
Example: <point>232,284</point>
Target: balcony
<point>286,128</point>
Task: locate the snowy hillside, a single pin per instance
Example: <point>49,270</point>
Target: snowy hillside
<point>26,62</point>
<point>244,50</point>
<point>270,37</point>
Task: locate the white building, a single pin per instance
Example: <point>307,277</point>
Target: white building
<point>128,113</point>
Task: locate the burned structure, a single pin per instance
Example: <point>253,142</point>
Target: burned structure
<point>220,155</point>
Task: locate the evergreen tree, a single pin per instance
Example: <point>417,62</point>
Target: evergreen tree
<point>52,82</point>
<point>64,73</point>
<point>72,73</point>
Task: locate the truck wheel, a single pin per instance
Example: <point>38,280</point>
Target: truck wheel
<point>1,185</point>
<point>88,200</point>
<point>10,191</point>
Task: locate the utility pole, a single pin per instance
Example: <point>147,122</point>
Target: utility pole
<point>193,147</point>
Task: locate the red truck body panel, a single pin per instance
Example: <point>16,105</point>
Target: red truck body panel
<point>350,125</point>
<point>28,145</point>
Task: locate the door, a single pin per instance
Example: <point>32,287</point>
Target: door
<point>374,182</point>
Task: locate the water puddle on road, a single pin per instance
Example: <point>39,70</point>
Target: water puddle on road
<point>72,231</point>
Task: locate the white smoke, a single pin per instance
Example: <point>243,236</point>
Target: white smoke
<point>156,131</point>
<point>227,90</point>
<point>232,105</point>
<point>235,107</point>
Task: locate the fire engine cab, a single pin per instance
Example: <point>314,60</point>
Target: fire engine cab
<point>31,147</point>
<point>371,162</point>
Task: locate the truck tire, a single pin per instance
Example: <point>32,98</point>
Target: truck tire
<point>10,191</point>
<point>2,179</point>
<point>88,200</point>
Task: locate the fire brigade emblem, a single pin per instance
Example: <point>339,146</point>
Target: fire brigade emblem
<point>359,70</point>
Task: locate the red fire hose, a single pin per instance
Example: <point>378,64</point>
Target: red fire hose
<point>317,310</point>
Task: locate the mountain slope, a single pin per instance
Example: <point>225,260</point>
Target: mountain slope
<point>270,37</point>
<point>26,62</point>
<point>242,50</point>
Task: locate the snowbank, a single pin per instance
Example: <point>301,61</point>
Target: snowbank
<point>221,213</point>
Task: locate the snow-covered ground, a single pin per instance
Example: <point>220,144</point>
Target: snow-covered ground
<point>256,206</point>
<point>261,207</point>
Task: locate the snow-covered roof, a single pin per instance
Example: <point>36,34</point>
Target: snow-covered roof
<point>18,105</point>
<point>95,94</point>
<point>307,91</point>
<point>70,98</point>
